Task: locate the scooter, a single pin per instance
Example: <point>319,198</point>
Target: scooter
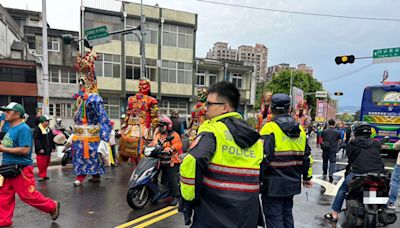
<point>66,150</point>
<point>143,182</point>
<point>366,201</point>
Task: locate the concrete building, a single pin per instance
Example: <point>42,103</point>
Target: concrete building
<point>63,81</point>
<point>210,71</point>
<point>272,70</point>
<point>221,51</point>
<point>18,81</point>
<point>257,55</point>
<point>170,43</point>
<point>250,55</point>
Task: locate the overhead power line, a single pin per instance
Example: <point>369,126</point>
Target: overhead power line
<point>300,13</point>
<point>347,74</point>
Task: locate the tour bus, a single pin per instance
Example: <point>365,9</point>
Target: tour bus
<point>380,107</point>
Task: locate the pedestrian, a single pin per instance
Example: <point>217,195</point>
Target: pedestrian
<point>330,146</point>
<point>44,145</point>
<point>112,144</point>
<point>220,175</point>
<point>287,162</point>
<point>342,147</point>
<point>17,169</point>
<point>177,125</point>
<point>170,160</point>
<point>363,157</point>
<point>395,180</point>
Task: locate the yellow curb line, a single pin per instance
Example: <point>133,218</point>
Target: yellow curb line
<point>130,223</point>
<point>157,219</point>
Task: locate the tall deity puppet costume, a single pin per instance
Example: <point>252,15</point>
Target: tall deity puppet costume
<point>141,118</point>
<point>198,114</point>
<point>302,113</point>
<point>264,116</point>
<point>91,121</point>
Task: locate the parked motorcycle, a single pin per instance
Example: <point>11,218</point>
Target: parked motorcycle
<point>143,185</point>
<point>366,201</point>
<point>60,139</point>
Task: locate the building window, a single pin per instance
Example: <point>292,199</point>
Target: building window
<point>237,80</point>
<point>151,30</point>
<point>111,105</point>
<point>133,68</point>
<point>212,79</point>
<point>62,75</point>
<point>31,42</point>
<point>200,78</point>
<point>166,107</point>
<point>176,72</point>
<point>108,65</point>
<point>63,110</point>
<point>178,36</point>
<point>53,46</point>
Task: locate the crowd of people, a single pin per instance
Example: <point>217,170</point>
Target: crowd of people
<point>227,166</point>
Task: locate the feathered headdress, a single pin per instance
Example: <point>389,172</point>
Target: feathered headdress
<point>85,67</point>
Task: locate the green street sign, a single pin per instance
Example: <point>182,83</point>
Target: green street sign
<point>386,55</point>
<point>96,33</point>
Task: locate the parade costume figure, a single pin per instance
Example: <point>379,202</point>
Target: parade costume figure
<point>92,124</point>
<point>198,114</point>
<point>141,118</point>
<point>302,113</point>
<point>264,116</point>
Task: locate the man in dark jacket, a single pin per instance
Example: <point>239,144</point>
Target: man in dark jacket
<point>177,125</point>
<point>363,157</point>
<point>220,174</point>
<point>44,145</point>
<point>330,146</point>
<point>288,161</point>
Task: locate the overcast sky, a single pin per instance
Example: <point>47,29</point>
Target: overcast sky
<point>290,38</point>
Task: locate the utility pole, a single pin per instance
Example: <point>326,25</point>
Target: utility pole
<point>291,88</point>
<point>142,47</point>
<point>45,65</point>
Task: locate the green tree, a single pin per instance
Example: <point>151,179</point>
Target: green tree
<point>281,84</point>
<point>346,117</point>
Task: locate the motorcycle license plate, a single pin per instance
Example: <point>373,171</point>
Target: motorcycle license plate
<point>371,198</point>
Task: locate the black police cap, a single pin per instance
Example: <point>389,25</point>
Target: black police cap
<point>280,101</point>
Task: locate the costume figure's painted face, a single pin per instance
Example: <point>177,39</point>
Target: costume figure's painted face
<point>144,86</point>
<point>267,97</point>
<point>202,95</point>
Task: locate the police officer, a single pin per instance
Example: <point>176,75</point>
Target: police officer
<point>220,174</point>
<point>287,159</point>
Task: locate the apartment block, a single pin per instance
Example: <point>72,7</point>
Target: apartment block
<point>252,56</point>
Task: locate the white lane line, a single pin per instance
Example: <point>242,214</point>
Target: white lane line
<point>345,163</point>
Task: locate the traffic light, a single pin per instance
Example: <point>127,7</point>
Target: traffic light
<point>338,93</point>
<point>344,59</point>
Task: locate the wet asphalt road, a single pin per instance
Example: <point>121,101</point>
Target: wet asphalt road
<point>104,204</point>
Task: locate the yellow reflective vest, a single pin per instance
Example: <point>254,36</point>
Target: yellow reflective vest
<point>283,173</point>
<point>230,185</point>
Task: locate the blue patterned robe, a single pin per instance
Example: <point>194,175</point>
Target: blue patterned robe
<point>96,115</point>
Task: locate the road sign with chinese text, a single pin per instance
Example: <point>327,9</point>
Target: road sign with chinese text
<point>96,33</point>
<point>386,55</point>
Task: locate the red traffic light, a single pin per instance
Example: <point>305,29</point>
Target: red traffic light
<point>344,59</point>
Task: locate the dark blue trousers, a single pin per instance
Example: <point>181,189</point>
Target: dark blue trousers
<point>278,211</point>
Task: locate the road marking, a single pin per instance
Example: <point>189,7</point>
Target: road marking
<point>330,189</point>
<point>130,223</point>
<point>345,163</point>
<point>157,219</point>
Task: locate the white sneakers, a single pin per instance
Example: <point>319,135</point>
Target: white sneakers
<point>77,183</point>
